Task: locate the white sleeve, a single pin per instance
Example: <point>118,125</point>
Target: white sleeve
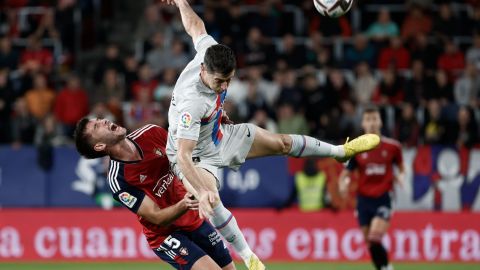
<point>189,119</point>
<point>203,42</point>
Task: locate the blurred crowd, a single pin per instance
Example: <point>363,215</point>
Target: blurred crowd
<point>420,64</point>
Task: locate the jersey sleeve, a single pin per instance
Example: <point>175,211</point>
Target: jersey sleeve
<point>190,117</point>
<point>352,164</point>
<point>203,42</point>
<point>126,194</point>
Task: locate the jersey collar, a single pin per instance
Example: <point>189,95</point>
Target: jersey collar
<point>133,161</point>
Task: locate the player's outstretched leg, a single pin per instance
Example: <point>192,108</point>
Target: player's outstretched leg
<point>225,223</point>
<point>267,144</point>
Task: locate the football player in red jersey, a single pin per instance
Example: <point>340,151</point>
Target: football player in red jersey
<point>376,178</point>
<point>140,179</point>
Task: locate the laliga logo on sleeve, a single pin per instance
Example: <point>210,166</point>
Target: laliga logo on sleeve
<point>127,199</point>
<point>185,120</point>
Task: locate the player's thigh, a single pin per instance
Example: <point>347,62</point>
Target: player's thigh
<point>181,252</point>
<point>267,143</point>
<point>210,241</point>
<point>205,262</point>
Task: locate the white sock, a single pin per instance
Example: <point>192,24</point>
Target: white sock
<point>226,224</point>
<point>306,146</point>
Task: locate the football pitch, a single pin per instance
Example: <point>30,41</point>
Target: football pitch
<point>271,266</point>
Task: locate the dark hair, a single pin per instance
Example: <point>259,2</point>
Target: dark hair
<point>83,141</point>
<point>370,109</point>
<point>220,59</point>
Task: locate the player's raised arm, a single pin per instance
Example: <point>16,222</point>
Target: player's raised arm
<point>194,26</point>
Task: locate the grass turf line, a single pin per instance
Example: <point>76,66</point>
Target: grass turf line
<point>271,266</point>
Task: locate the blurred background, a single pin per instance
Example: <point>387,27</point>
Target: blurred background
<point>298,72</point>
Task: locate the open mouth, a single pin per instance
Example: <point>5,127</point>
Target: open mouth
<point>113,127</point>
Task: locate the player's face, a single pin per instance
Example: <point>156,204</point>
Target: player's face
<point>105,133</point>
<point>372,123</point>
<point>216,81</point>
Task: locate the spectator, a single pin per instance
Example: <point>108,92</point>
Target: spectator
<point>130,67</point>
<point>383,28</point>
<point>365,84</point>
<point>211,24</point>
<point>265,19</point>
<point>233,26</point>
<point>330,27</point>
<point>416,22</point>
<point>315,101</point>
<point>40,99</point>
<point>362,51</point>
<point>111,60</point>
<point>467,87</point>
<point>416,86</point>
<point>318,54</point>
<point>100,110</point>
<point>177,57</point>
<point>349,121</point>
<point>110,89</point>
<point>442,89</point>
<point>164,89</point>
<point>289,121</point>
<point>144,111</point>
<point>394,56</point>
<point>146,80</point>
<point>150,24</point>
<point>65,23</point>
<point>267,89</point>
<point>71,105</point>
<point>261,119</point>
<point>337,88</point>
<point>390,91</point>
<point>289,90</point>
<point>446,25</point>
<point>310,187</point>
<point>254,50</point>
<point>254,102</point>
<point>23,124</point>
<point>47,135</point>
<point>407,129</point>
<point>158,57</point>
<point>421,50</point>
<point>463,132</point>
<point>291,54</point>
<point>473,53</point>
<point>110,93</point>
<point>452,60</point>
<point>35,57</point>
<point>46,27</point>
<point>7,99</point>
<point>434,127</point>
<point>9,58</point>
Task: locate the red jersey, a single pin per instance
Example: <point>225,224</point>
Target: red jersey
<point>375,168</point>
<point>130,182</point>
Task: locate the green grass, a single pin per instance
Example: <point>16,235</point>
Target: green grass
<point>271,266</point>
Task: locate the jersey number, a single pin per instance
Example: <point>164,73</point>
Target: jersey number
<point>171,243</point>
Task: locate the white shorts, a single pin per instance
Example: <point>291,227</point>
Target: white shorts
<point>233,150</point>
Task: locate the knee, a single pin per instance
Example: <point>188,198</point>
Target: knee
<point>284,144</point>
<point>374,237</point>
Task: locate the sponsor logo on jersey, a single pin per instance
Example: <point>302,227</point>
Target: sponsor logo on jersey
<point>158,152</point>
<point>162,184</point>
<point>142,178</point>
<point>185,120</point>
<point>184,251</point>
<point>127,199</point>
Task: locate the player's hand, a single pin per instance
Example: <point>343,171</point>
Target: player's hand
<point>190,201</point>
<point>170,2</point>
<point>206,200</point>
<point>226,120</point>
<point>343,185</point>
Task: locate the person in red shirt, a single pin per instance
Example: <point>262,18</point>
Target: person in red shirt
<point>140,178</point>
<point>375,182</point>
<point>395,56</point>
<point>35,56</point>
<point>146,81</point>
<point>452,60</point>
<point>71,105</point>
